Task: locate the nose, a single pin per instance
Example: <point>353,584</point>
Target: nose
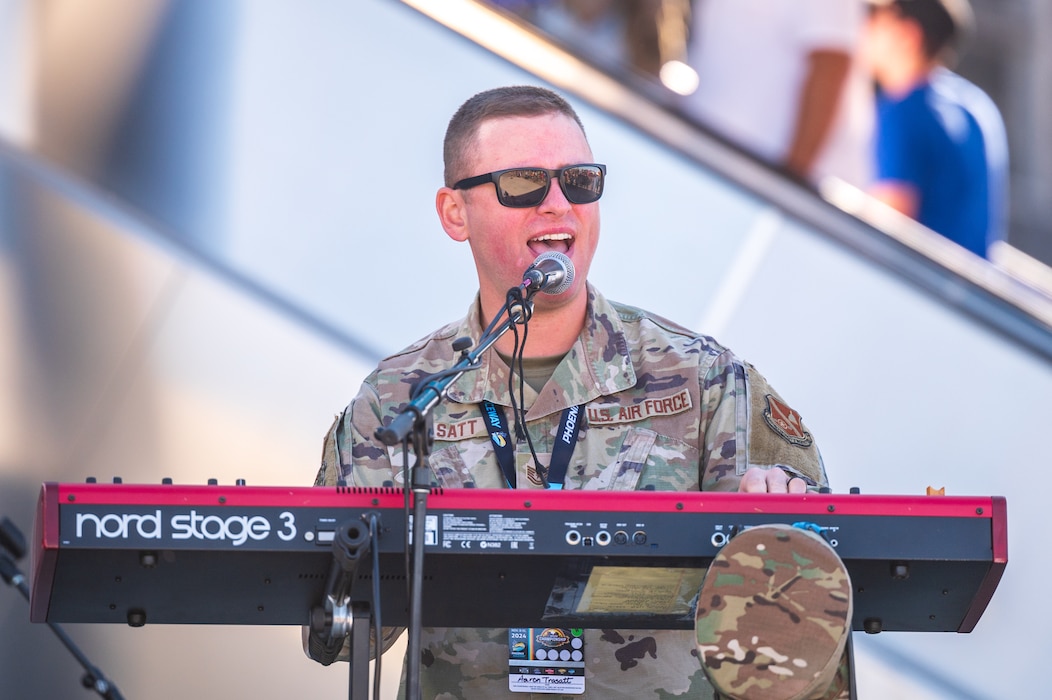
<point>555,201</point>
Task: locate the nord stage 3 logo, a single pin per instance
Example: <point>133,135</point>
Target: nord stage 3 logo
<point>173,527</point>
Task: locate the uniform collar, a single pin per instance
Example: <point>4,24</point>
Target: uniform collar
<point>598,364</point>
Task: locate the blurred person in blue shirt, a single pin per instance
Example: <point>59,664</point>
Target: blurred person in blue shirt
<point>940,146</point>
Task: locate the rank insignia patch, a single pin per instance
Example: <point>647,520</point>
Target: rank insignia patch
<point>786,422</point>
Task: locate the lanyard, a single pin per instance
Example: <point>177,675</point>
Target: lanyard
<point>565,442</point>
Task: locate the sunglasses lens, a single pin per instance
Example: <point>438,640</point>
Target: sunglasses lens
<point>527,187</point>
<point>522,188</point>
<point>582,184</point>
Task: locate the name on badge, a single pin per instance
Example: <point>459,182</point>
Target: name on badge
<point>546,660</point>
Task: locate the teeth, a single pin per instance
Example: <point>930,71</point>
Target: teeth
<point>554,237</point>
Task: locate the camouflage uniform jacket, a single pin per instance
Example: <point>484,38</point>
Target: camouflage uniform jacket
<point>665,409</point>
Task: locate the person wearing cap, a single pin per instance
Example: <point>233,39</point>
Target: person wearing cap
<point>599,396</point>
<point>940,146</point>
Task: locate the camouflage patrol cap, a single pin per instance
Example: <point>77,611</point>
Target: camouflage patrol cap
<point>773,615</point>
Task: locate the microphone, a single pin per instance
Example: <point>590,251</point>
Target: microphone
<point>551,273</point>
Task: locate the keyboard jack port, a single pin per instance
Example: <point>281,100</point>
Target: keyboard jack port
<point>602,538</point>
<point>573,537</point>
<point>620,537</point>
<point>719,539</point>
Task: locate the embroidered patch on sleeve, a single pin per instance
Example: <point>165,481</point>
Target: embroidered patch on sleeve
<point>786,422</point>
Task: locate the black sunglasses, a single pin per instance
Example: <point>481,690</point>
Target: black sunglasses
<point>527,187</point>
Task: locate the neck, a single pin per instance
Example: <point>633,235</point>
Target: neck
<point>552,329</point>
<point>901,79</point>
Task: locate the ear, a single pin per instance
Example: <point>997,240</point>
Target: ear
<point>449,204</point>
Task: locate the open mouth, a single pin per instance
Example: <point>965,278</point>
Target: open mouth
<point>559,242</point>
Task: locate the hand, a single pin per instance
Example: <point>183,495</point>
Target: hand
<point>760,480</point>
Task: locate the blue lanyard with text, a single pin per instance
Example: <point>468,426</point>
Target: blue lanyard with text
<point>565,442</point>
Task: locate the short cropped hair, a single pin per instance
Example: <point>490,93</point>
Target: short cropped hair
<point>946,24</point>
<point>513,101</point>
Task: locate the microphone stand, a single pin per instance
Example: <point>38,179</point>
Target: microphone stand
<point>416,419</point>
<point>11,540</point>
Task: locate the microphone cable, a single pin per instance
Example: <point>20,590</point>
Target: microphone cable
<point>514,296</point>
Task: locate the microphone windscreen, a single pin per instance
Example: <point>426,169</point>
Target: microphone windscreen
<point>563,265</point>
